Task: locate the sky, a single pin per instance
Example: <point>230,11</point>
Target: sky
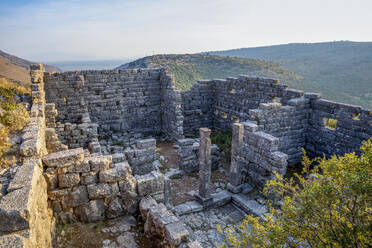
<point>56,30</point>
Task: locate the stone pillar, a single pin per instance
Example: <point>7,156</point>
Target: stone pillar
<point>168,193</point>
<point>235,170</point>
<point>205,164</point>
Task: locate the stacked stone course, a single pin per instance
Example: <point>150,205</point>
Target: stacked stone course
<point>259,156</point>
<point>124,103</point>
<point>188,153</point>
<point>25,219</point>
<point>141,156</point>
<point>89,188</point>
<point>163,224</point>
<point>354,125</point>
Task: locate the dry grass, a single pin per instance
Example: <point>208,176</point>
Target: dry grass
<point>8,89</point>
<point>13,116</point>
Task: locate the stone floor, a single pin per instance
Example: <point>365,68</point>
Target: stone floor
<point>202,226</point>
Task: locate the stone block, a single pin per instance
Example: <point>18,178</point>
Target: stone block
<point>121,171</point>
<point>91,211</point>
<point>76,197</point>
<point>188,207</point>
<point>150,183</point>
<point>100,163</point>
<point>14,241</point>
<point>101,190</point>
<point>64,158</point>
<point>57,194</point>
<point>250,206</point>
<point>31,147</point>
<point>68,180</point>
<point>51,178</point>
<point>115,208</point>
<point>89,178</point>
<point>145,204</point>
<point>176,233</point>
<point>146,143</point>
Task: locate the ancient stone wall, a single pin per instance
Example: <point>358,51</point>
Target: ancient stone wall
<point>219,103</point>
<point>25,219</point>
<point>124,103</point>
<point>171,106</point>
<point>234,97</point>
<point>188,154</point>
<point>259,156</point>
<point>288,123</point>
<point>354,125</point>
<point>89,188</point>
<point>141,156</point>
<point>197,107</point>
<point>163,226</point>
<point>298,119</point>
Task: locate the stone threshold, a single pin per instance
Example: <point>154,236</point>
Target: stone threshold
<point>240,201</point>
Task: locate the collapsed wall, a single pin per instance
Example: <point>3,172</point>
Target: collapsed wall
<point>298,119</point>
<point>25,219</point>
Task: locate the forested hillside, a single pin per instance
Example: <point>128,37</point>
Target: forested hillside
<point>341,71</point>
<point>188,68</point>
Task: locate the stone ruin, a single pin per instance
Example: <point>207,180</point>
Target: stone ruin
<point>89,149</point>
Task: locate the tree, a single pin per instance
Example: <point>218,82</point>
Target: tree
<point>327,206</point>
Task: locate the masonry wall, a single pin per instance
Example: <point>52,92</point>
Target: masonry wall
<point>353,127</point>
<point>234,97</point>
<point>188,155</point>
<point>259,156</point>
<point>172,123</point>
<point>25,219</point>
<point>197,107</point>
<point>124,103</point>
<point>288,123</point>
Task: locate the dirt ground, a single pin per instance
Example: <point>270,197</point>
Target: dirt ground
<point>185,186</point>
<point>166,150</point>
<point>93,235</point>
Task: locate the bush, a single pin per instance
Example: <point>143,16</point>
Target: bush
<point>328,207</point>
<point>13,115</point>
<point>223,140</point>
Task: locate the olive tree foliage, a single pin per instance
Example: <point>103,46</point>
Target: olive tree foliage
<point>327,206</point>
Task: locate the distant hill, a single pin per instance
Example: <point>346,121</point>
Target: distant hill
<point>188,68</point>
<point>14,73</point>
<point>16,69</point>
<point>341,70</point>
<point>26,63</point>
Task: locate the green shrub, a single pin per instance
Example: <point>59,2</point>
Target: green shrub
<point>223,140</point>
<point>330,207</point>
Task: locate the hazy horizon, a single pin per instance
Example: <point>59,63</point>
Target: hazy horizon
<point>72,30</point>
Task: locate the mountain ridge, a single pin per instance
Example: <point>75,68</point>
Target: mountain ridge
<point>188,68</point>
<point>342,67</point>
<point>16,69</point>
<point>26,63</point>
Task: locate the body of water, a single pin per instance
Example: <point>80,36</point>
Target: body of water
<point>89,64</point>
